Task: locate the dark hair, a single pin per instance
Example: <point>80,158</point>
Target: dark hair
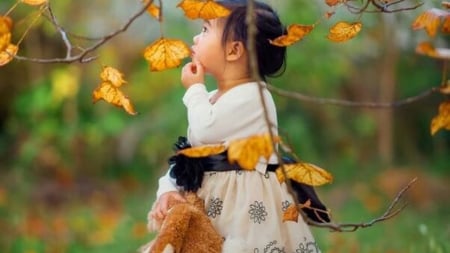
<point>271,59</point>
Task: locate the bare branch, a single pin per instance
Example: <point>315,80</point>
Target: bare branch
<point>82,56</point>
<point>351,227</point>
<point>347,103</point>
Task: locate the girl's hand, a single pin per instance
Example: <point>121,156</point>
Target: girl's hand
<point>192,73</point>
<point>161,207</point>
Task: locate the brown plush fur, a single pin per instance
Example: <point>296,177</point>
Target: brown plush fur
<point>186,229</point>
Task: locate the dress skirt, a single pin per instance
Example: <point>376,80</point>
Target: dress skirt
<point>247,207</point>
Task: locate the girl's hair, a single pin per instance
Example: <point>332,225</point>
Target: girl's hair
<point>271,59</point>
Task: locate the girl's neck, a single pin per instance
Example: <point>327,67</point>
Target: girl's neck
<point>225,85</point>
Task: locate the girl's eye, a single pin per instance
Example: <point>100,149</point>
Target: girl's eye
<point>204,29</point>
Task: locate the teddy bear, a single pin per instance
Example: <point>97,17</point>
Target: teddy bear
<point>185,229</point>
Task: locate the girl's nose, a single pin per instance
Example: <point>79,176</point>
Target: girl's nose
<point>195,39</point>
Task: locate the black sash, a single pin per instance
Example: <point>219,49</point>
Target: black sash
<point>188,173</point>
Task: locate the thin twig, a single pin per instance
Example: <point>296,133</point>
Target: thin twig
<point>347,103</point>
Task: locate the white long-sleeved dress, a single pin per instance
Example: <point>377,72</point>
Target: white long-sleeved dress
<point>246,207</point>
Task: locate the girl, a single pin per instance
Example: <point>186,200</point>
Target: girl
<point>245,207</point>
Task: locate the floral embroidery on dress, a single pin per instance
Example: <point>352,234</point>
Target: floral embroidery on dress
<point>257,212</point>
<point>284,205</point>
<point>270,248</point>
<point>307,247</point>
<point>215,207</point>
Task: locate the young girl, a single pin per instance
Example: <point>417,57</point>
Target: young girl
<point>246,207</point>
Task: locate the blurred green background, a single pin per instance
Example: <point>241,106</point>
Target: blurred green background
<point>79,177</point>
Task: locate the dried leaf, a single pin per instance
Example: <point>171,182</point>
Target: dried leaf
<point>304,173</point>
<point>426,48</point>
<point>446,25</point>
<point>166,53</point>
<point>247,152</point>
<point>5,32</point>
<point>333,2</point>
<point>442,120</point>
<point>291,213</point>
<point>202,9</point>
<point>343,31</point>
<point>112,75</point>
<point>295,32</point>
<point>153,10</point>
<point>109,91</point>
<point>34,2</point>
<point>8,54</point>
<point>202,151</point>
<point>430,21</point>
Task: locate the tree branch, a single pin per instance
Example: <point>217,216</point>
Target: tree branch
<point>82,56</point>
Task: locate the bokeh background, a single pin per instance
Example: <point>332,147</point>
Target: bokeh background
<point>80,177</point>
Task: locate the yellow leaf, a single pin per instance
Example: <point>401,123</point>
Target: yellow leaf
<point>291,213</point>
<point>112,75</point>
<point>343,31</point>
<point>247,152</point>
<point>153,10</point>
<point>430,21</point>
<point>306,173</point>
<point>442,120</point>
<point>203,9</point>
<point>426,48</point>
<point>295,33</point>
<point>166,53</point>
<point>202,151</point>
<point>109,91</point>
<point>34,2</point>
<point>5,32</point>
<point>8,54</point>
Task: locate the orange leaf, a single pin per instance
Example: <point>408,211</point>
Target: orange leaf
<point>153,10</point>
<point>202,9</point>
<point>343,31</point>
<point>202,151</point>
<point>112,75</point>
<point>247,152</point>
<point>295,33</point>
<point>8,54</point>
<point>34,2</point>
<point>304,173</point>
<point>113,95</point>
<point>429,20</point>
<point>426,48</point>
<point>446,25</point>
<point>5,32</point>
<point>333,2</point>
<point>291,213</point>
<point>166,53</point>
<point>442,120</point>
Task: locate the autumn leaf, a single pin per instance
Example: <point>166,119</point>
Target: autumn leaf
<point>333,2</point>
<point>109,91</point>
<point>430,21</point>
<point>343,31</point>
<point>112,75</point>
<point>202,151</point>
<point>153,10</point>
<point>295,32</point>
<point>166,53</point>
<point>8,54</point>
<point>306,173</point>
<point>426,48</point>
<point>442,120</point>
<point>34,2</point>
<point>247,152</point>
<point>5,32</point>
<point>291,213</point>
<point>203,9</point>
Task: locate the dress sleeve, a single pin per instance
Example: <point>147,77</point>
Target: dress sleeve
<point>238,112</point>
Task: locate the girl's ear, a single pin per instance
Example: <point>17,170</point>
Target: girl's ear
<point>234,50</point>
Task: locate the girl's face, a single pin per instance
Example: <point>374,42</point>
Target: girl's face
<point>208,49</point>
